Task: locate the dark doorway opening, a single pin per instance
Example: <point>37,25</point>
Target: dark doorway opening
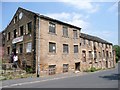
<point>77,66</point>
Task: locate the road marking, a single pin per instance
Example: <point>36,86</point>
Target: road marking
<point>26,83</point>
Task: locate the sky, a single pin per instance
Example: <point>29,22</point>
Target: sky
<point>95,18</point>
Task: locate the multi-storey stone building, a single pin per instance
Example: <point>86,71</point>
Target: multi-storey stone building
<point>50,46</point>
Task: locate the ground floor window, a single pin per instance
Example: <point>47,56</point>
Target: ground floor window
<point>29,47</point>
<point>65,68</point>
<point>8,50</point>
<point>52,69</point>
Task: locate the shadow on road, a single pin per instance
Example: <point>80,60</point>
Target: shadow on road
<point>111,77</point>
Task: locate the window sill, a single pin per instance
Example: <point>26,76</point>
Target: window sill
<point>65,36</point>
<point>52,33</point>
<point>28,53</point>
<point>75,38</point>
<point>65,53</point>
<point>51,53</point>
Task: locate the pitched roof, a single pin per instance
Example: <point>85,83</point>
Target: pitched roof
<point>93,38</point>
<point>51,19</point>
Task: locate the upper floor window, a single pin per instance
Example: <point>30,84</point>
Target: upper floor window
<point>8,36</point>
<point>52,47</point>
<point>90,54</point>
<point>15,19</point>
<point>84,41</point>
<point>65,48</point>
<point>65,31</point>
<point>75,48</point>
<point>52,27</point>
<point>29,28</point>
<point>75,35</point>
<point>89,43</point>
<point>21,30</point>
<point>15,33</point>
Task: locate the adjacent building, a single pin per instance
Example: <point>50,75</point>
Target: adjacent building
<point>50,46</point>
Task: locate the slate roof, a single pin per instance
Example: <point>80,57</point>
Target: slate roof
<point>51,19</point>
<point>93,38</point>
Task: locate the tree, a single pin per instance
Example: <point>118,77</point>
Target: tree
<point>117,50</point>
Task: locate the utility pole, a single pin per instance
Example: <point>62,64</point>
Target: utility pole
<point>38,55</point>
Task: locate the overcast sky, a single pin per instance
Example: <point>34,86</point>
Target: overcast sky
<point>95,18</point>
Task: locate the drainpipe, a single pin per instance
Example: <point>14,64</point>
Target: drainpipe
<point>38,59</point>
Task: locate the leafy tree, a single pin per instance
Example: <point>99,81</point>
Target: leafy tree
<point>117,50</point>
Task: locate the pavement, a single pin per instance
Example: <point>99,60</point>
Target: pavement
<point>100,79</point>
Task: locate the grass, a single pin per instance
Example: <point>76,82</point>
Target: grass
<point>15,75</point>
<point>92,69</point>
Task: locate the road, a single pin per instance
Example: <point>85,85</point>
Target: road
<point>100,79</point>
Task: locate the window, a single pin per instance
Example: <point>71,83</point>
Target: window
<point>8,36</point>
<point>29,47</point>
<point>90,54</point>
<point>95,54</point>
<point>99,54</point>
<point>110,54</point>
<point>103,53</point>
<point>29,28</point>
<point>21,48</point>
<point>84,42</point>
<point>65,68</point>
<point>52,27</point>
<point>15,19</point>
<point>52,69</point>
<point>65,31</point>
<point>84,56</point>
<point>15,33</point>
<point>75,48</point>
<point>75,34</point>
<point>8,50</point>
<point>89,43</point>
<point>65,48</point>
<point>52,47</point>
<point>21,30</point>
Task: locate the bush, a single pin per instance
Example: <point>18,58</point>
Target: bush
<point>29,70</point>
<point>93,69</point>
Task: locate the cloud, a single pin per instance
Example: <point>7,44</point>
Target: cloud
<point>76,19</point>
<point>87,5</point>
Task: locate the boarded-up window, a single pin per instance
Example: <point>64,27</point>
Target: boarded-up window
<point>28,47</point>
<point>52,27</point>
<point>75,48</point>
<point>52,47</point>
<point>65,68</point>
<point>65,31</point>
<point>52,69</point>
<point>21,48</point>
<point>75,34</point>
<point>65,48</point>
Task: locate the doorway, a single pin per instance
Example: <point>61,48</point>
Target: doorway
<point>77,66</point>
